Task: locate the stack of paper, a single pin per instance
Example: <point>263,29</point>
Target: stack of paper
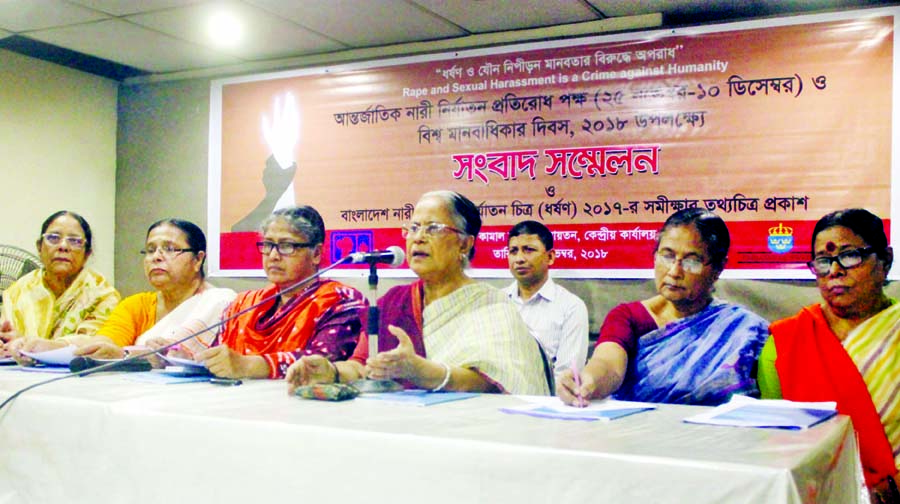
<point>552,407</point>
<point>744,411</point>
<point>418,397</point>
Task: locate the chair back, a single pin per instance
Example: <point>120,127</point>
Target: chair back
<point>548,368</point>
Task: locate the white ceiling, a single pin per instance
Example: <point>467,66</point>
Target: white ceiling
<point>164,36</point>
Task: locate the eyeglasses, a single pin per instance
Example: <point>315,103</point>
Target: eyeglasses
<point>283,248</point>
<point>690,264</point>
<point>431,229</point>
<point>75,242</point>
<point>821,266</point>
<point>168,251</point>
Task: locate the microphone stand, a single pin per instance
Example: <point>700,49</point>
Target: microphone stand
<point>107,366</point>
<point>373,277</point>
<point>366,384</point>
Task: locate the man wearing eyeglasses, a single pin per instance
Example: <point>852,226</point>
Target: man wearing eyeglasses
<point>299,314</point>
<point>557,318</point>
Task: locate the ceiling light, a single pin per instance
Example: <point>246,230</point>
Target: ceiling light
<point>225,29</point>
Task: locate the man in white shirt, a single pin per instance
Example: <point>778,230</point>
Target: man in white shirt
<point>557,318</point>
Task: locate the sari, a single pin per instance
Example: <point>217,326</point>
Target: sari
<point>702,359</point>
<point>133,321</point>
<point>36,312</point>
<point>475,327</point>
<point>861,373</point>
<point>325,318</point>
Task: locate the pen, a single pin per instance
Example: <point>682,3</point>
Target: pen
<point>577,376</point>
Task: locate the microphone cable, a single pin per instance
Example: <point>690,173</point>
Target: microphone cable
<point>220,323</point>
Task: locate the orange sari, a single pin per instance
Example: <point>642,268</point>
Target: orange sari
<point>813,366</point>
<point>326,318</point>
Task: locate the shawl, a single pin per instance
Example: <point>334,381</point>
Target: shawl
<point>475,327</point>
<point>133,321</point>
<point>36,312</point>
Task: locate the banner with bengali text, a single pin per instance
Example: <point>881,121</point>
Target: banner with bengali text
<point>769,124</point>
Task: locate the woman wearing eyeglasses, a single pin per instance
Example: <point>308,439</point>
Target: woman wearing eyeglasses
<point>182,301</point>
<point>444,331</point>
<point>311,317</point>
<point>61,303</point>
<point>846,349</point>
<point>682,345</point>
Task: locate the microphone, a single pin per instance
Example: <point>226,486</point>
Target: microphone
<point>393,256</point>
<point>81,363</point>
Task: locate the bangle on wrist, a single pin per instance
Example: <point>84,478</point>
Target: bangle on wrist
<point>446,378</point>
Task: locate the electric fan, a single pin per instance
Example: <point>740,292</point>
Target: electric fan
<point>14,263</point>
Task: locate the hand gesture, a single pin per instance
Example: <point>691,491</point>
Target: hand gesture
<point>401,362</point>
<point>283,131</point>
<point>101,350</point>
<point>572,394</point>
<point>33,345</point>
<point>7,332</point>
<point>226,363</point>
<point>180,351</point>
<point>310,370</point>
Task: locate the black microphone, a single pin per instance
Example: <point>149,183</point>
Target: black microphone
<point>393,256</point>
<point>372,330</point>
<point>137,365</point>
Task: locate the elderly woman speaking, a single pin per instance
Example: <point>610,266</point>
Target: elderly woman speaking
<point>444,331</point>
<point>846,349</point>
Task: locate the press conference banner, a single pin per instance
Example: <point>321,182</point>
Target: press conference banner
<point>769,124</point>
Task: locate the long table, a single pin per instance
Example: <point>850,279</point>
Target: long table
<point>106,438</point>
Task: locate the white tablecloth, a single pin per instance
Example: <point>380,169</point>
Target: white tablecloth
<point>105,438</point>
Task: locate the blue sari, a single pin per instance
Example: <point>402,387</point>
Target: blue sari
<point>702,359</point>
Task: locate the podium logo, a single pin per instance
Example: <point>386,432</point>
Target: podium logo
<point>781,238</point>
<point>344,243</point>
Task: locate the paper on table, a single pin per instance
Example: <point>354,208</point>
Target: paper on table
<point>742,411</point>
<point>39,369</point>
<point>552,407</point>
<point>178,361</point>
<point>56,357</point>
<point>418,397</point>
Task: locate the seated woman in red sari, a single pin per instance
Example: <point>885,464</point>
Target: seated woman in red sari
<point>444,331</point>
<point>319,317</point>
<point>848,348</point>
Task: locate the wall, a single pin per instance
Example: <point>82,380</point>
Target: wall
<point>58,139</point>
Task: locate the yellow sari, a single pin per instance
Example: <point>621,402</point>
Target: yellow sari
<point>874,347</point>
<point>36,312</point>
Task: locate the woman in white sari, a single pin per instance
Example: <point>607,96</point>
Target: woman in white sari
<point>444,331</point>
<point>182,304</point>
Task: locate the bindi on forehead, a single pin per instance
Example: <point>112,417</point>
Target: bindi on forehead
<point>831,247</point>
